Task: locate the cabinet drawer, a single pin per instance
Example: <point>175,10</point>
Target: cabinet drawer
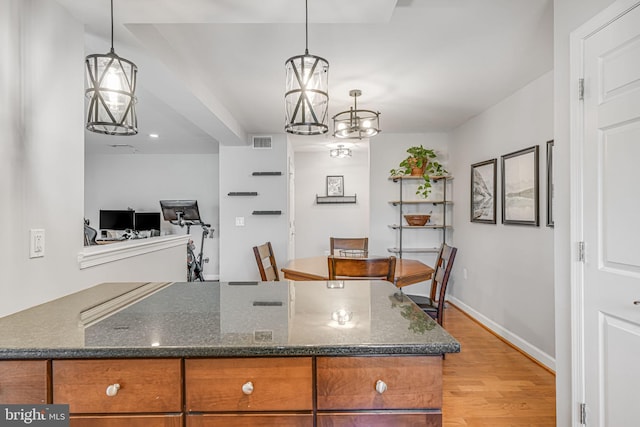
<point>380,420</point>
<point>253,420</point>
<point>279,384</point>
<point>24,381</point>
<point>412,382</point>
<point>145,385</point>
<point>126,421</point>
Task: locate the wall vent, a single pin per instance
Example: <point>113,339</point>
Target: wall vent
<point>262,142</point>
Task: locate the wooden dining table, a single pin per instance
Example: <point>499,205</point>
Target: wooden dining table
<point>408,271</point>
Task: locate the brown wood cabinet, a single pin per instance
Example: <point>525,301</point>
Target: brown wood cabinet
<point>379,383</point>
<point>253,420</point>
<point>379,420</point>
<point>24,382</point>
<point>350,382</point>
<point>119,386</point>
<point>337,391</point>
<point>252,384</point>
<point>172,420</point>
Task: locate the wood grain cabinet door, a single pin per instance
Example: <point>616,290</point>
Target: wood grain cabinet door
<point>118,385</point>
<point>379,420</point>
<point>394,382</point>
<point>174,420</point>
<point>251,384</point>
<point>253,420</point>
<point>24,382</point>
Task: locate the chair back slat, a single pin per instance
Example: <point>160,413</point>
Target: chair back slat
<point>266,260</point>
<point>337,243</point>
<point>362,268</point>
<point>441,278</point>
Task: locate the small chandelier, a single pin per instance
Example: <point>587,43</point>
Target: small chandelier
<point>341,152</point>
<point>307,91</point>
<point>356,124</point>
<point>111,92</point>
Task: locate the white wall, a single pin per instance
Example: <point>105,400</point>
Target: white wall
<point>509,285</point>
<point>315,223</point>
<point>568,16</point>
<point>140,181</point>
<point>237,164</point>
<point>386,152</point>
<point>42,160</point>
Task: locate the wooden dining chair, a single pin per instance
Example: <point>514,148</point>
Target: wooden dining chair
<point>431,305</point>
<point>337,243</point>
<point>362,268</point>
<point>266,262</point>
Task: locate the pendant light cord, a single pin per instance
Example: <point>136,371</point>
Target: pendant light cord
<point>306,27</point>
<point>111,26</point>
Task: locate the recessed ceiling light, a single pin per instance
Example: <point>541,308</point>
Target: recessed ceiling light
<point>154,135</point>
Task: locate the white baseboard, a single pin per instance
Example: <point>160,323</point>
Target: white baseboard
<point>515,340</point>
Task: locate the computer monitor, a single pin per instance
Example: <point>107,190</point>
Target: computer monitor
<point>188,210</point>
<point>147,221</point>
<point>116,219</point>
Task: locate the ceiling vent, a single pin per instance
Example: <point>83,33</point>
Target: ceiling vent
<point>262,142</point>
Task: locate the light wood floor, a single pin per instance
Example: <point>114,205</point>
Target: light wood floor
<point>490,384</point>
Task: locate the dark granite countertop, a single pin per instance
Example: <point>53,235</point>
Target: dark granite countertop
<point>121,320</point>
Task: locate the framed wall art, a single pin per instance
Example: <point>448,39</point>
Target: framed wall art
<point>483,191</point>
<point>520,187</point>
<point>550,183</point>
<point>335,185</point>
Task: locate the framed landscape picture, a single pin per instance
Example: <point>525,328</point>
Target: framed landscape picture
<point>483,191</point>
<point>550,183</point>
<point>335,185</point>
<point>520,187</point>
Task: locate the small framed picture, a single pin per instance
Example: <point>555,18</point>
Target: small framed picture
<point>483,191</point>
<point>520,189</point>
<point>335,185</point>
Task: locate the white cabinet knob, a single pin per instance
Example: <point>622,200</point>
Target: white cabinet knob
<point>112,390</point>
<point>381,386</point>
<point>247,388</point>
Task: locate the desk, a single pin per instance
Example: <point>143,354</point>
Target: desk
<point>408,271</point>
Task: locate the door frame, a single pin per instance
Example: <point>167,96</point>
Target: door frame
<point>576,141</point>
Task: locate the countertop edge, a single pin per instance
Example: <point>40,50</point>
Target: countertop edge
<point>189,352</point>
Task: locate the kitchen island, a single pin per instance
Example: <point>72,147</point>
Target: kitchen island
<point>335,353</point>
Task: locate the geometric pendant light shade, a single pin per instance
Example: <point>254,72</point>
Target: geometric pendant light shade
<point>307,91</point>
<point>111,87</point>
<point>356,123</point>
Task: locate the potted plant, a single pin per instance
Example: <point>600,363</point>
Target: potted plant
<point>420,162</point>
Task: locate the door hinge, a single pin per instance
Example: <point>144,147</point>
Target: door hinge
<point>581,89</point>
<point>583,413</point>
<point>581,251</point>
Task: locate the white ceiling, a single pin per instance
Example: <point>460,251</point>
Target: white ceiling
<point>213,70</point>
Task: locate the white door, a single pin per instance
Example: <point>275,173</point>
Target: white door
<point>611,221</point>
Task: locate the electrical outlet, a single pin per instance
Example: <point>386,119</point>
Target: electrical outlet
<point>239,221</point>
<point>36,243</point>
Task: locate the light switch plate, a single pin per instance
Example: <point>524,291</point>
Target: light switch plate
<point>36,243</point>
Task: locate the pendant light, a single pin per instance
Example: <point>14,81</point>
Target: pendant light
<point>111,91</point>
<point>340,153</point>
<point>307,91</point>
<point>354,123</point>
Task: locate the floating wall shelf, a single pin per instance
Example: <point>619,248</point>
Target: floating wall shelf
<point>320,200</point>
<point>267,213</point>
<point>243,193</point>
<point>267,173</point>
